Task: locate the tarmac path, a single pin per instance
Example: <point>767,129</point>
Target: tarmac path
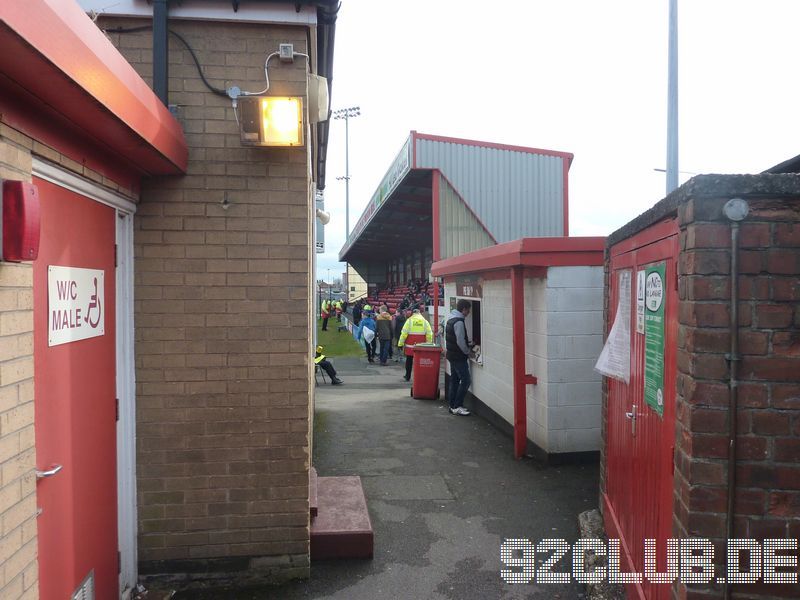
<point>443,493</point>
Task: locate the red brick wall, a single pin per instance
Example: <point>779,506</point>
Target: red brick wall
<point>768,420</point>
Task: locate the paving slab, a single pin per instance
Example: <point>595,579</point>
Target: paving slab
<point>407,487</point>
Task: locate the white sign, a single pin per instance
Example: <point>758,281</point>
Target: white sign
<point>320,247</point>
<point>654,291</point>
<point>75,304</point>
<point>640,302</point>
<point>615,359</point>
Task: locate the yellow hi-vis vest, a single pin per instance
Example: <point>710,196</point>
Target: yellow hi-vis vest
<point>319,358</point>
<point>416,326</point>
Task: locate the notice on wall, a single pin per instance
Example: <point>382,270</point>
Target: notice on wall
<point>75,304</point>
<point>640,283</point>
<point>615,359</point>
<point>469,288</point>
<point>654,338</point>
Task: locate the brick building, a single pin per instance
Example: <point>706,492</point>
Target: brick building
<point>668,475</point>
<point>206,470</point>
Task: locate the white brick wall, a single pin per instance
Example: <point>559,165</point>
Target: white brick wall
<point>563,337</point>
<point>575,339</point>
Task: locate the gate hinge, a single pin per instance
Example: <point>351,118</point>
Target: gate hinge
<point>116,255</point>
<point>117,407</point>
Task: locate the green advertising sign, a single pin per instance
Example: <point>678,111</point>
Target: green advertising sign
<point>655,284</point>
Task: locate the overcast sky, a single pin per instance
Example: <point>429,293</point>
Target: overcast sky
<point>581,76</point>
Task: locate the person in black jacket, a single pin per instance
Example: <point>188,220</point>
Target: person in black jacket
<point>399,321</point>
<point>457,346</point>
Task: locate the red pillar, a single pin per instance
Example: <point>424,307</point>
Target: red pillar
<point>518,350</point>
<point>435,308</point>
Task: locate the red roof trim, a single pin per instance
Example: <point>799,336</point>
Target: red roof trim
<point>527,252</point>
<point>67,52</point>
<point>565,164</point>
<point>453,140</point>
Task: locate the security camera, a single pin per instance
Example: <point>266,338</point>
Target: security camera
<point>323,217</point>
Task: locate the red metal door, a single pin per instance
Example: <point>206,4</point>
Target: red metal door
<point>75,402</point>
<point>640,442</point>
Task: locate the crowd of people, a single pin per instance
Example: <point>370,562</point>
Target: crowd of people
<point>381,332</point>
<point>330,308</point>
<point>385,335</point>
<point>416,294</point>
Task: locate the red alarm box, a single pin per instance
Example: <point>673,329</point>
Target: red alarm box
<point>20,210</point>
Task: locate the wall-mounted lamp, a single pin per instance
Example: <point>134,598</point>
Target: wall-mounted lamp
<point>271,121</point>
<point>323,216</point>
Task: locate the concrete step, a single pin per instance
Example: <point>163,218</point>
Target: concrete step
<point>313,498</point>
<point>342,528</point>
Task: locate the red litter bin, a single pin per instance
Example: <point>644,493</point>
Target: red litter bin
<point>427,361</point>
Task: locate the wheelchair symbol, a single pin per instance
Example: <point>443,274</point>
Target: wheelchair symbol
<point>94,304</point>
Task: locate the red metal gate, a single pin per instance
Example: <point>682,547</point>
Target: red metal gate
<point>638,501</point>
<point>74,381</point>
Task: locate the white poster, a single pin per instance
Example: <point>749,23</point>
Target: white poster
<point>75,304</point>
<point>615,359</point>
<point>640,301</point>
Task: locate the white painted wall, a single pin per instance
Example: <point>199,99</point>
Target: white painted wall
<point>563,337</point>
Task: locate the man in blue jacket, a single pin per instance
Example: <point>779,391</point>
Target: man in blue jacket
<point>457,346</point>
<point>368,323</point>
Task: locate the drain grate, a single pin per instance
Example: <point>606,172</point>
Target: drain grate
<point>85,590</point>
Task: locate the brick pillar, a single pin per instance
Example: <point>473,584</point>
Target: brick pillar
<point>768,420</point>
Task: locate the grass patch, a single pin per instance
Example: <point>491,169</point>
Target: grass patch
<point>337,343</point>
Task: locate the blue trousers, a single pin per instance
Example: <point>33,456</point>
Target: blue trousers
<point>460,381</point>
<point>385,346</point>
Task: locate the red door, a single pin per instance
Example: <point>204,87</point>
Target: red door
<point>640,441</point>
<point>75,395</point>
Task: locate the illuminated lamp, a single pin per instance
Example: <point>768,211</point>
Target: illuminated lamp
<point>20,211</point>
<point>271,121</point>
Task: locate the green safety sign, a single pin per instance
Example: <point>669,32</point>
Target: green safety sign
<point>655,298</point>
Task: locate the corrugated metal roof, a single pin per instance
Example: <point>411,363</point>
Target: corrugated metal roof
<point>516,192</point>
<point>511,191</point>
